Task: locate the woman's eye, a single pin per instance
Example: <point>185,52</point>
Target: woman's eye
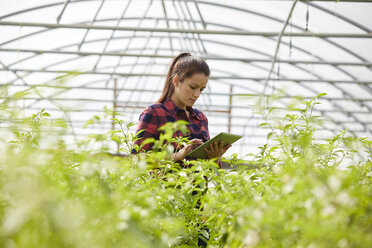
<point>193,87</point>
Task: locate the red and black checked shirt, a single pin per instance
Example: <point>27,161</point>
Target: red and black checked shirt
<point>159,114</point>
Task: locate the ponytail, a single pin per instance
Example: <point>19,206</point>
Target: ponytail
<point>183,65</point>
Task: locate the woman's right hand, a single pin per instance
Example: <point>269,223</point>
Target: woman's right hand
<point>216,150</point>
<point>181,154</point>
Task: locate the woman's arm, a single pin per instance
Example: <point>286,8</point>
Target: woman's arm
<point>148,124</point>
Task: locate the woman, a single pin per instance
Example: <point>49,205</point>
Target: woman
<point>186,79</point>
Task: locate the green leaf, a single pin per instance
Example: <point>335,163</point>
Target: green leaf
<point>46,114</point>
<point>148,141</point>
<point>269,135</point>
<point>321,94</point>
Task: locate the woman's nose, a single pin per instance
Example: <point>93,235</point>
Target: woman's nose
<point>197,93</point>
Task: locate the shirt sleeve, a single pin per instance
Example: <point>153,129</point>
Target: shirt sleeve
<point>205,130</point>
<point>148,122</point>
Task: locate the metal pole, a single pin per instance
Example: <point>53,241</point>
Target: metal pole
<point>114,106</point>
<point>195,31</point>
<point>126,54</point>
<point>332,81</point>
<point>230,108</point>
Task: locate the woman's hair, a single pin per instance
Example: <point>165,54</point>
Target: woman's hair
<point>183,66</point>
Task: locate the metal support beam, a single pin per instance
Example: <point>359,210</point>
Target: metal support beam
<point>126,54</point>
<point>211,113</point>
<point>145,104</point>
<point>195,31</point>
<point>62,11</point>
<point>230,108</point>
<point>230,95</point>
<point>304,80</point>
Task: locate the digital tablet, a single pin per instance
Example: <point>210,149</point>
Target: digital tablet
<point>227,138</point>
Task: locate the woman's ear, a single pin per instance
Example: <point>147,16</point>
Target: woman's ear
<point>175,81</point>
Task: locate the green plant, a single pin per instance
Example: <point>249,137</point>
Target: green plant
<point>52,195</point>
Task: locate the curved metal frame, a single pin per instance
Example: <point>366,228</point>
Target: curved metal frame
<point>223,44</point>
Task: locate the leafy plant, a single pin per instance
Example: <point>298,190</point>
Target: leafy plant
<point>296,195</point>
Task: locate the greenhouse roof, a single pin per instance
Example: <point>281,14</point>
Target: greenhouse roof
<point>82,55</point>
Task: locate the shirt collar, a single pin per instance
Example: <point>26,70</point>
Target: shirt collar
<point>173,109</point>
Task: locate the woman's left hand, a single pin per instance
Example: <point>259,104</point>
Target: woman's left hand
<point>216,150</point>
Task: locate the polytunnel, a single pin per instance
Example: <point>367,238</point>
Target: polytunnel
<point>82,56</point>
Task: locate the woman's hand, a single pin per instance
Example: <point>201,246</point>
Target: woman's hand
<point>216,150</point>
<point>181,154</point>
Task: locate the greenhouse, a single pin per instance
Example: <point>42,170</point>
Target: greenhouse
<point>292,78</point>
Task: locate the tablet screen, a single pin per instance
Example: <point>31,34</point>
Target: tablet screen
<point>227,138</point>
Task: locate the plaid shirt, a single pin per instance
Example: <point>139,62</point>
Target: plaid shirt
<point>159,114</point>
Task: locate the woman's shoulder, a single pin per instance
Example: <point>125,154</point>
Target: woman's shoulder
<point>199,114</point>
<point>153,109</point>
<point>156,106</point>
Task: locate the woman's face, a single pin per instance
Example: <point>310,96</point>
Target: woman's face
<point>187,92</point>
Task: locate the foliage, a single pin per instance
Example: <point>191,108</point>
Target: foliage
<point>56,196</point>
